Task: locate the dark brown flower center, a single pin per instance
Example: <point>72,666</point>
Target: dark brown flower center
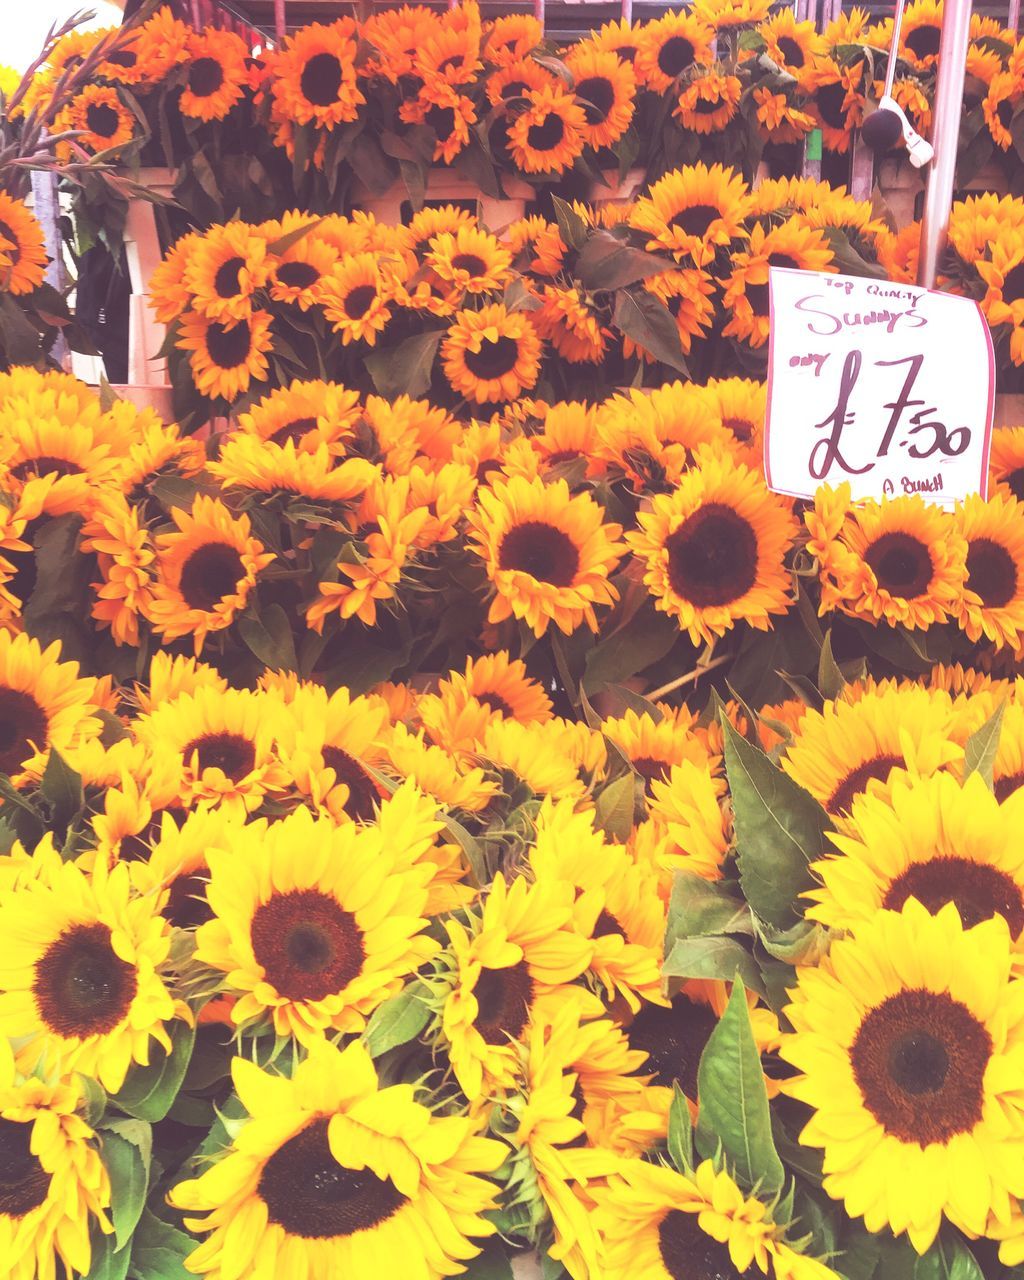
<point>82,988</point>
<point>830,99</point>
<point>712,556</point>
<point>494,359</point>
<point>1007,785</point>
<point>24,726</point>
<point>687,1253</point>
<point>856,781</point>
<point>470,263</point>
<point>363,794</point>
<point>228,348</point>
<point>606,924</point>
<point>1005,112</point>
<point>309,947</point>
<point>980,891</point>
<point>226,283</point>
<point>706,105</point>
<point>442,121</point>
<point>310,1195</point>
<point>696,220</point>
<point>234,755</point>
<point>1013,284</point>
<point>297,275</point>
<point>187,907</point>
<point>742,428</point>
<point>651,770</point>
<point>293,431</point>
<point>138,846</point>
<point>123,58</point>
<point>902,565</point>
<point>673,1039</point>
<point>542,551</point>
<point>205,77</point>
<point>919,1059</point>
<point>1015,483</point>
<point>546,136</point>
<point>503,998</point>
<point>791,51</point>
<point>321,79</point>
<point>7,234</point>
<point>923,42</point>
<point>45,464</point>
<point>675,55</point>
<point>24,1183</point>
<point>495,703</point>
<point>991,572</point>
<point>210,573</point>
<point>101,119</point>
<point>596,95</point>
<point>757,294</point>
<point>359,300</point>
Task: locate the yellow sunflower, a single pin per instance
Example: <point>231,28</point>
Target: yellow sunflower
<point>168,677</point>
<point>651,744</point>
<point>848,748</point>
<point>691,211</point>
<point>709,102</point>
<point>456,717</point>
<point>447,780</point>
<point>469,260</point>
<point>670,45</point>
<point>205,571</point>
<point>117,536</point>
<point>993,601</point>
<point>998,107</point>
<point>1008,766</point>
<point>725,14</point>
<point>792,244</point>
<point>175,868</point>
<point>21,245</point>
<point>315,80</point>
<point>216,76</point>
<point>55,1185</point>
<point>540,756</point>
<point>605,88</point>
<point>298,272</point>
<point>226,357</point>
<point>919,36</point>
<point>511,37</point>
<point>793,46</point>
<point>690,827</point>
<point>688,293</point>
<point>661,1224</point>
<point>567,321</point>
<point>308,413</point>
<point>510,963</point>
<point>492,354</point>
<point>81,984</point>
<point>1003,302</point>
<point>713,550</point>
<point>168,295</point>
<point>549,555</point>
<point>314,923</point>
<point>549,132</point>
<point>836,101</point>
<point>246,462</point>
<point>1006,463</point>
<point>355,298</point>
<point>910,1038</point>
<point>331,1174</point>
<point>741,403</point>
<point>43,704</point>
<point>225,269</point>
<point>100,117</point>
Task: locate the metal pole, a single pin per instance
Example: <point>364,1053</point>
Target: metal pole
<point>949,93</point>
<point>280,21</point>
<point>894,48</point>
<point>627,10</point>
<point>1013,16</point>
<point>538,11</point>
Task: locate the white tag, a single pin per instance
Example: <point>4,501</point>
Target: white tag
<point>884,385</point>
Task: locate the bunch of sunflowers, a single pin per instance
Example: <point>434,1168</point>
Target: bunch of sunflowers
<point>350,106</point>
<point>428,841</point>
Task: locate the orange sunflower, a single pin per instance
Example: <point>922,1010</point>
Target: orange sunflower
<point>315,80</point>
<point>216,75</point>
<point>792,244</point>
<point>549,133</point>
<point>492,354</point>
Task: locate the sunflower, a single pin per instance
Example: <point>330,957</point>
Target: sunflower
<point>539,756</point>
<point>433,220</point>
<point>448,781</point>
<point>216,74</point>
<point>100,118</point>
<point>836,101</point>
<point>449,113</point>
<point>511,962</point>
<point>573,329</point>
<point>932,839</point>
<point>492,354</point>
<point>848,748</point>
<point>322,925</point>
<point>690,827</point>
<point>654,436</point>
<point>713,550</point>
<point>793,46</point>
<point>708,102</point>
<point>792,244</point>
<point>264,467</point>
<point>315,78</point>
<point>55,1183</point>
<point>548,134</point>
<point>688,293</point>
<point>205,571</point>
<point>693,210</point>
<point>548,555</point>
<point>779,119</point>
<point>1006,463</point>
<point>469,260</point>
<point>665,1225</point>
<point>725,14</point>
<point>333,1174</point>
<point>168,294</point>
<point>998,107</point>
<point>308,413</point>
<point>225,269</point>
<point>226,357</point>
<point>910,1037</point>
<point>220,745</point>
<point>176,867</point>
<point>324,739</point>
<point>510,82</point>
<point>355,298</point>
<point>124,554</point>
<point>919,36</point>
<point>670,45</point>
<point>297,272</point>
<point>741,403</point>
<point>22,247</point>
<point>654,743</point>
<point>605,88</point>
<point>491,686</point>
<point>81,982</point>
<point>993,601</point>
<point>397,35</point>
<point>1008,765</point>
<point>1003,302</point>
<point>512,37</point>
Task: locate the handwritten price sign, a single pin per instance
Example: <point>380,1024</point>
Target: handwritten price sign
<point>884,385</point>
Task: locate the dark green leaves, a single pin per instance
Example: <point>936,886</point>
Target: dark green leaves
<point>268,635</point>
<point>981,747</point>
<point>396,1021</point>
<point>127,1149</point>
<point>607,263</point>
<point>645,318</point>
<point>149,1092</point>
<point>405,370</point>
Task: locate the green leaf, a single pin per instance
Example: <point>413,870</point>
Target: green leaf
<point>267,634</point>
<point>722,958</point>
<point>407,368</point>
<point>492,1264</point>
<point>780,829</point>
<point>806,943</point>
<point>283,243</point>
<point>396,1021</point>
<point>981,747</point>
<point>606,262</point>
<point>61,788</point>
<point>160,1250</point>
<point>57,569</point>
<point>733,1100</point>
<point>645,318</point>
<point>149,1092</point>
<point>571,226</point>
<point>126,1153</point>
<point>702,908</point>
<point>108,1262</point>
<point>948,1259</point>
<point>680,1131</point>
<point>615,807</point>
<point>174,491</point>
<point>645,640</point>
<point>831,681</point>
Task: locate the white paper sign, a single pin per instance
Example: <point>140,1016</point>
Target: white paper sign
<point>885,385</point>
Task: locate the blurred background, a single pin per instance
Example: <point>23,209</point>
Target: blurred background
<point>26,25</point>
